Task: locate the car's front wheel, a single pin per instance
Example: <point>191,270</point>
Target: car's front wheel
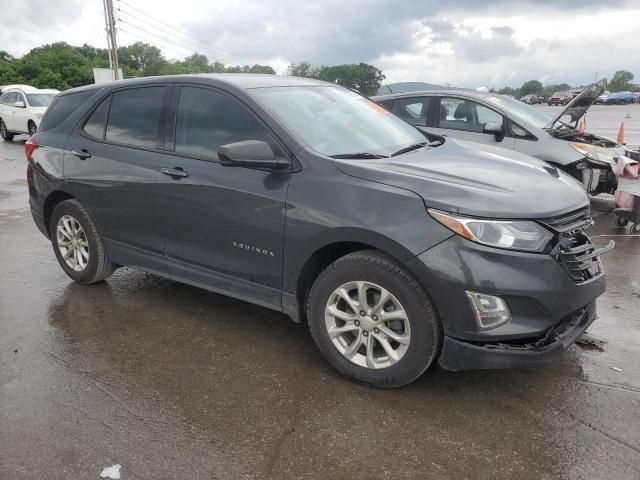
<point>32,128</point>
<point>372,321</point>
<point>4,133</point>
<point>77,244</point>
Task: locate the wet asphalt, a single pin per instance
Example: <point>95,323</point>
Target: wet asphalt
<point>171,381</point>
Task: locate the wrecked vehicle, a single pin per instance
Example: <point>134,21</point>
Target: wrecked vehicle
<point>495,120</point>
<point>306,198</point>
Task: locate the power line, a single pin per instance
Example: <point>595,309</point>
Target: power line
<point>191,46</point>
<point>166,40</point>
<point>207,44</point>
<point>166,46</point>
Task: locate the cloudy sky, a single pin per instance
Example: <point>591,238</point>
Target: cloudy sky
<point>465,43</point>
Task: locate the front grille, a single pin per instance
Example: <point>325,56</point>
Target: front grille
<point>570,222</point>
<point>574,250</point>
<point>579,257</point>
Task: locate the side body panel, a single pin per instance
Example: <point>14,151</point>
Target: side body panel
<point>326,206</point>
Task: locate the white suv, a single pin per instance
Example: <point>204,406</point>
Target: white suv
<point>21,109</point>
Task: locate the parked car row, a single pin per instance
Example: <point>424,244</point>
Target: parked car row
<point>560,98</point>
<point>22,108</point>
<point>621,98</point>
<point>399,245</point>
<point>532,99</point>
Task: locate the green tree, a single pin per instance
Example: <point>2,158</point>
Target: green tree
<point>140,59</point>
<point>531,87</point>
<point>7,68</point>
<point>63,66</point>
<point>514,92</point>
<point>303,69</point>
<point>621,81</point>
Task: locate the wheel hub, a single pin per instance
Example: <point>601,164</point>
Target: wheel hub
<point>367,324</point>
<point>72,243</point>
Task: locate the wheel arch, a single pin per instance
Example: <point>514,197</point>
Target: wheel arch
<point>329,248</point>
<point>53,199</point>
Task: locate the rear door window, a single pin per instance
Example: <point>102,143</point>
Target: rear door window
<point>95,125</point>
<point>207,119</point>
<point>61,107</point>
<point>134,117</point>
<point>12,98</point>
<point>413,110</point>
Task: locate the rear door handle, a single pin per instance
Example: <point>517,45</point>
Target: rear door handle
<point>176,172</point>
<point>81,154</point>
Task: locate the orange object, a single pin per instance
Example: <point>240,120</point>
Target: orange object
<point>621,133</point>
<point>581,125</point>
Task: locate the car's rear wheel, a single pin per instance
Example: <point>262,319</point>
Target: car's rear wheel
<point>77,244</point>
<point>32,128</point>
<point>372,321</point>
<point>4,133</point>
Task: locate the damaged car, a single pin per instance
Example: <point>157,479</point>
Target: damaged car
<point>309,199</point>
<point>496,120</point>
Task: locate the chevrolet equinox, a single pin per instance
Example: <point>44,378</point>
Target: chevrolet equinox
<point>306,198</point>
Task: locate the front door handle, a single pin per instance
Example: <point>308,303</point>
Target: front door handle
<point>176,172</point>
<point>81,154</point>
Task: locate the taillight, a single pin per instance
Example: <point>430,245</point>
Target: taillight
<point>29,146</point>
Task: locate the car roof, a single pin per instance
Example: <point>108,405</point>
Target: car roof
<point>459,92</point>
<point>243,81</point>
<point>28,89</point>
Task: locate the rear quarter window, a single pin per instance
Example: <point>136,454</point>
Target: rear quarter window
<point>62,107</point>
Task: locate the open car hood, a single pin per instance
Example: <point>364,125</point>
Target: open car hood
<point>579,105</point>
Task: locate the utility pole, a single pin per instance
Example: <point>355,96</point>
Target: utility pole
<point>111,37</point>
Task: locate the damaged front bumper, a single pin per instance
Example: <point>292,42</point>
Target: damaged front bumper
<point>522,353</point>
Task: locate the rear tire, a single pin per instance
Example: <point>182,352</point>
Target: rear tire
<point>6,135</point>
<point>361,344</point>
<point>77,244</point>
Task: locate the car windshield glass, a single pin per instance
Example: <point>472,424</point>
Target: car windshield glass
<point>335,121</point>
<point>40,99</point>
<point>527,113</point>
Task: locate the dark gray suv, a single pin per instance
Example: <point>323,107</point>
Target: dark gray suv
<point>309,199</point>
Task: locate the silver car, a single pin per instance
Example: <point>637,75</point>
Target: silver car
<point>500,121</point>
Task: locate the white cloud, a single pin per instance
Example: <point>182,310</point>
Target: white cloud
<point>464,42</point>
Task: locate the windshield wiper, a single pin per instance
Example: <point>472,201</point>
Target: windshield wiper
<point>409,148</point>
<point>358,155</point>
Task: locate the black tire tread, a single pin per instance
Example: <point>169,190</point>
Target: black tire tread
<point>104,267</point>
<point>387,263</point>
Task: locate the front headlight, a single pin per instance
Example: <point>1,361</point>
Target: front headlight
<point>597,155</point>
<point>521,235</point>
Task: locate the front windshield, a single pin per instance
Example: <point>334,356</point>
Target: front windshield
<point>529,114</point>
<point>40,99</point>
<point>335,121</point>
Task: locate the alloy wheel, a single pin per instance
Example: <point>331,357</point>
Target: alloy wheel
<point>72,242</point>
<point>367,324</point>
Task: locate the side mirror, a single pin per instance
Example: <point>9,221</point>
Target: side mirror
<point>20,104</point>
<point>496,128</point>
<point>250,154</point>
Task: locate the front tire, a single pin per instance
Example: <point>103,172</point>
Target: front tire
<point>372,321</point>
<point>77,244</point>
<point>4,133</point>
<point>32,128</point>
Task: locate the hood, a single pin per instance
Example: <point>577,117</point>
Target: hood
<point>475,179</point>
<point>39,109</point>
<point>579,105</point>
